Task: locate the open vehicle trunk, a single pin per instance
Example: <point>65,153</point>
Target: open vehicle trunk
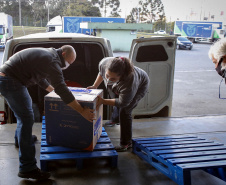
<point>154,55</point>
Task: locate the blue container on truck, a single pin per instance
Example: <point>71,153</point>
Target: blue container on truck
<point>66,127</point>
<point>196,30</point>
<point>72,24</point>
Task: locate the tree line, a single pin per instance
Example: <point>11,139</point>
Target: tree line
<point>38,12</point>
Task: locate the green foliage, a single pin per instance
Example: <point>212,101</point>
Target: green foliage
<point>159,25</point>
<point>12,8</point>
<point>106,5</point>
<point>40,11</point>
<point>35,12</point>
<point>148,11</point>
<point>57,7</point>
<point>81,8</point>
<point>134,15</point>
<point>163,25</point>
<point>172,25</point>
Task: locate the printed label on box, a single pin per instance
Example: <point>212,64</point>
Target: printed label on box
<point>97,126</point>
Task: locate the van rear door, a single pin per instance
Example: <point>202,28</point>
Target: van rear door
<point>156,56</point>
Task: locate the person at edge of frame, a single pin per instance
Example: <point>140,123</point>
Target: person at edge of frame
<point>217,53</point>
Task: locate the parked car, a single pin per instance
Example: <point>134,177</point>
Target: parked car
<point>184,43</point>
<point>161,32</point>
<point>155,55</point>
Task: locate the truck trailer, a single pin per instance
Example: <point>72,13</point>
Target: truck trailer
<point>71,24</point>
<point>6,29</point>
<point>199,31</point>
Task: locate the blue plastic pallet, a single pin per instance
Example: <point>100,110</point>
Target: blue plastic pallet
<point>103,149</point>
<point>176,156</point>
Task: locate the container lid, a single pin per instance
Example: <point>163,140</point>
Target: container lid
<point>80,94</point>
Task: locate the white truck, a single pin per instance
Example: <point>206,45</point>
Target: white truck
<point>6,29</point>
<point>55,25</point>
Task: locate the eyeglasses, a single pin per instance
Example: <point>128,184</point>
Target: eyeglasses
<point>220,90</point>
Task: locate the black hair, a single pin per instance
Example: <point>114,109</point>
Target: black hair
<point>121,66</point>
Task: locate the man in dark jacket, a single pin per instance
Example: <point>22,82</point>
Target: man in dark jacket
<point>28,67</point>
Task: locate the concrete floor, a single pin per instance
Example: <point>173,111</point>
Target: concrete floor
<point>131,169</point>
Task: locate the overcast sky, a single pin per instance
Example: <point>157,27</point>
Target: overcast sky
<point>185,9</point>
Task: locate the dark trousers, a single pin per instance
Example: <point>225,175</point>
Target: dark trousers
<point>124,117</point>
<point>125,127</point>
<point>19,100</point>
<point>124,114</point>
<point>115,115</point>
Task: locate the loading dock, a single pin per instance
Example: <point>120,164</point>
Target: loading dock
<point>131,169</point>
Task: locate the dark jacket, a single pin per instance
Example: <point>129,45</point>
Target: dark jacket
<point>134,86</point>
<point>36,66</point>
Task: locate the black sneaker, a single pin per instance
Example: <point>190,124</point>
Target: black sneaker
<point>34,137</point>
<point>35,174</point>
<point>123,148</point>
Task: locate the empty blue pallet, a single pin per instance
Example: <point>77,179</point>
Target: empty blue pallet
<point>176,156</point>
<point>103,149</point>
